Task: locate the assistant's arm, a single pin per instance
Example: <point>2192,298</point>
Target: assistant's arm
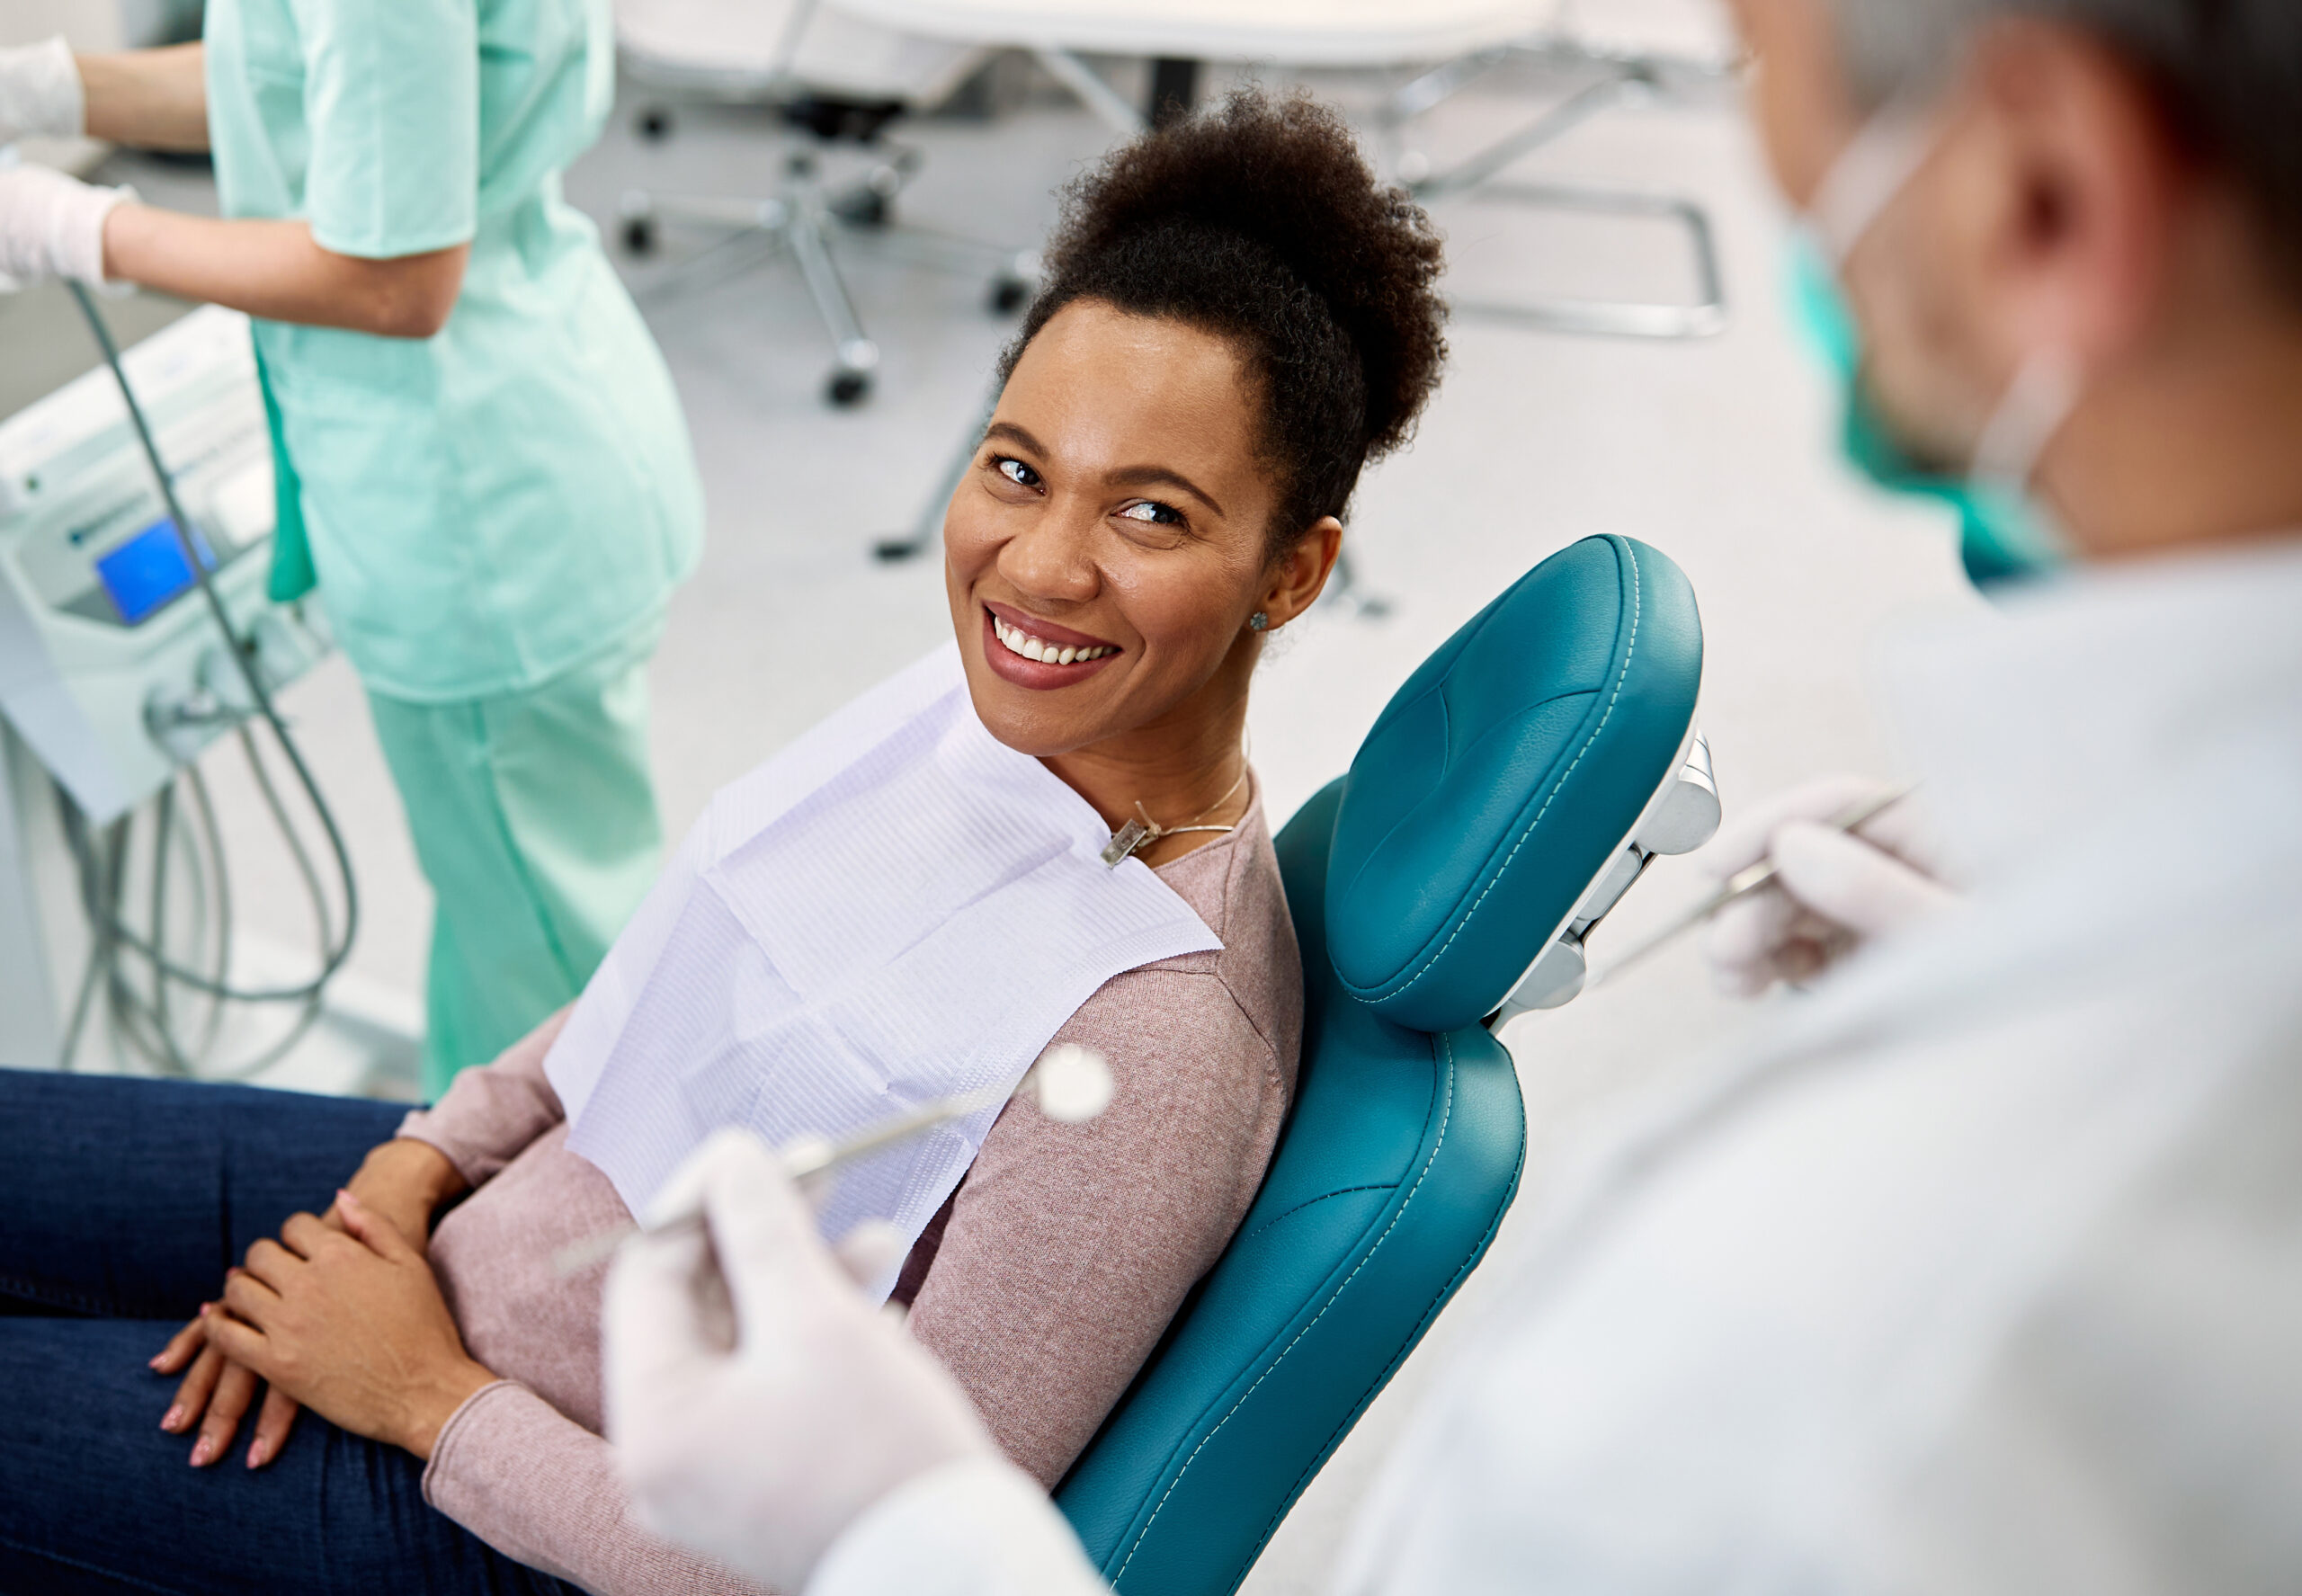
<point>274,269</point>
<point>148,99</point>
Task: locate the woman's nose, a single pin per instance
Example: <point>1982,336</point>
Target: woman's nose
<point>1050,559</point>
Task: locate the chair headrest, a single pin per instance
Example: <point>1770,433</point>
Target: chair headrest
<point>1504,776</point>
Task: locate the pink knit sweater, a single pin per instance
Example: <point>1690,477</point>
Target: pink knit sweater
<point>1058,1263</point>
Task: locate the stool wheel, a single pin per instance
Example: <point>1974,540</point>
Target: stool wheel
<point>1009,295</point>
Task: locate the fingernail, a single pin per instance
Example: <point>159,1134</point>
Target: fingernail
<point>174,1420</point>
<point>202,1453</point>
<point>259,1455</point>
<point>206,1306</point>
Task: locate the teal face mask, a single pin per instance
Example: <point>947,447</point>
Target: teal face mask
<point>2001,535</point>
<point>2003,532</point>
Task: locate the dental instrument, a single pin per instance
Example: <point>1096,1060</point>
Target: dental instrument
<point>1740,884</point>
<point>1074,1086</point>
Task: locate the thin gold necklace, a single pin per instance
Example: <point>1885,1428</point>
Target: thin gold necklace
<point>1143,831</point>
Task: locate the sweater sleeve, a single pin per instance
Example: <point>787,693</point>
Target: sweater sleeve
<point>1070,1246</point>
<point>489,1115</point>
<point>543,1490</point>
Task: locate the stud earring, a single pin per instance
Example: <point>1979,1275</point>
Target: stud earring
<point>1259,622</point>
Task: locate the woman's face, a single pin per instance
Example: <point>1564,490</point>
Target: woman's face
<point>1105,552</point>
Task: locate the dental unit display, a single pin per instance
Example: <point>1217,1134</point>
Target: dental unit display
<point>110,678</point>
<point>136,522</point>
<point>1073,1084</point>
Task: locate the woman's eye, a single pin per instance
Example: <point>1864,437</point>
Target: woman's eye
<point>1153,513</point>
<point>1016,472</point>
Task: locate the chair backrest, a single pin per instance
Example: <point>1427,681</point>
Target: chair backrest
<point>1495,789</point>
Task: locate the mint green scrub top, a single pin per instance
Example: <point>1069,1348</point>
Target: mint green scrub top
<point>490,507</point>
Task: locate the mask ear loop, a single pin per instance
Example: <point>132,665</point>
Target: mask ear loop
<point>1885,153</point>
<point>2043,393</point>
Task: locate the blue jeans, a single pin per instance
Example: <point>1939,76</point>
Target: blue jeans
<point>121,1204</point>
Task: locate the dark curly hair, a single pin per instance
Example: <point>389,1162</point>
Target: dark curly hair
<point>1258,221</point>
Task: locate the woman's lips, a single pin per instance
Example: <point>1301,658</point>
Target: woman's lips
<point>1046,631</point>
<point>1004,642</point>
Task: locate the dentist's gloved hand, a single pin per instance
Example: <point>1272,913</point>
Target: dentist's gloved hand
<point>40,93</point>
<point>755,1422</point>
<point>1832,890</point>
<point>53,226</point>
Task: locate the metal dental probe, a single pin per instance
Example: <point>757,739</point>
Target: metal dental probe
<point>1081,1083</point>
<point>1744,882</point>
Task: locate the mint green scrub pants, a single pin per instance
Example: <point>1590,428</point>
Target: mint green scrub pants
<point>534,818</point>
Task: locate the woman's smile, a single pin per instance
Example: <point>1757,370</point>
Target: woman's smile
<point>1037,654</point>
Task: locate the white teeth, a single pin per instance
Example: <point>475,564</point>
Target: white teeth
<point>1018,641</point>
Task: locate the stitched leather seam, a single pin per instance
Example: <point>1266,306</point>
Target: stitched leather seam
<point>1447,731</point>
<point>1445,1112</point>
<point>1454,1281</point>
<point>1629,651</point>
<point>1313,1202</point>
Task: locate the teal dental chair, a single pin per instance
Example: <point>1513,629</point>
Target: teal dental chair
<point>1508,796</point>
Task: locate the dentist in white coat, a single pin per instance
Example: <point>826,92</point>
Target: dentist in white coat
<point>1981,1270</point>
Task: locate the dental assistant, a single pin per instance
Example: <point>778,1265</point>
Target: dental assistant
<point>1978,1269</point>
<point>482,465</point>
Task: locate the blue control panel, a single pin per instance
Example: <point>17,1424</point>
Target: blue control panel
<point>145,573</point>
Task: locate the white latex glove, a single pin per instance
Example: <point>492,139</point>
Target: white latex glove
<point>53,226</point>
<point>40,94</point>
<point>1832,891</point>
<point>757,1441</point>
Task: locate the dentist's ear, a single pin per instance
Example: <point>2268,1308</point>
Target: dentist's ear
<point>2070,190</point>
<point>1299,574</point>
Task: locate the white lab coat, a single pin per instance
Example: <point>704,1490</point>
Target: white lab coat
<point>1981,1269</point>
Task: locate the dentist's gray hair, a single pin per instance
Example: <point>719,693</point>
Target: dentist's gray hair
<point>2228,71</point>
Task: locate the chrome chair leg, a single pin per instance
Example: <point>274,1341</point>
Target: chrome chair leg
<point>927,526</point>
<point>1622,80</point>
<point>1345,596</point>
<point>854,357</point>
<point>810,220</point>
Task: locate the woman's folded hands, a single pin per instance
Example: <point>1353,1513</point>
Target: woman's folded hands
<point>397,1189</point>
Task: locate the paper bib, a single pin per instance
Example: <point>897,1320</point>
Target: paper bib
<point>897,907</point>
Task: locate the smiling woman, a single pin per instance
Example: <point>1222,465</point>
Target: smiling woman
<point>1236,316</point>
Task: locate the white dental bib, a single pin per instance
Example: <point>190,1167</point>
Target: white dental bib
<point>897,907</point>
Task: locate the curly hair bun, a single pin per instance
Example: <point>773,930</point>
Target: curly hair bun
<point>1258,221</point>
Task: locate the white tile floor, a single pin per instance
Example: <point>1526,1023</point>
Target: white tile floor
<point>1716,452</point>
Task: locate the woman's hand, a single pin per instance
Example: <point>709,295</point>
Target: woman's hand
<point>404,1179</point>
<point>350,1323</point>
<point>215,1394</point>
